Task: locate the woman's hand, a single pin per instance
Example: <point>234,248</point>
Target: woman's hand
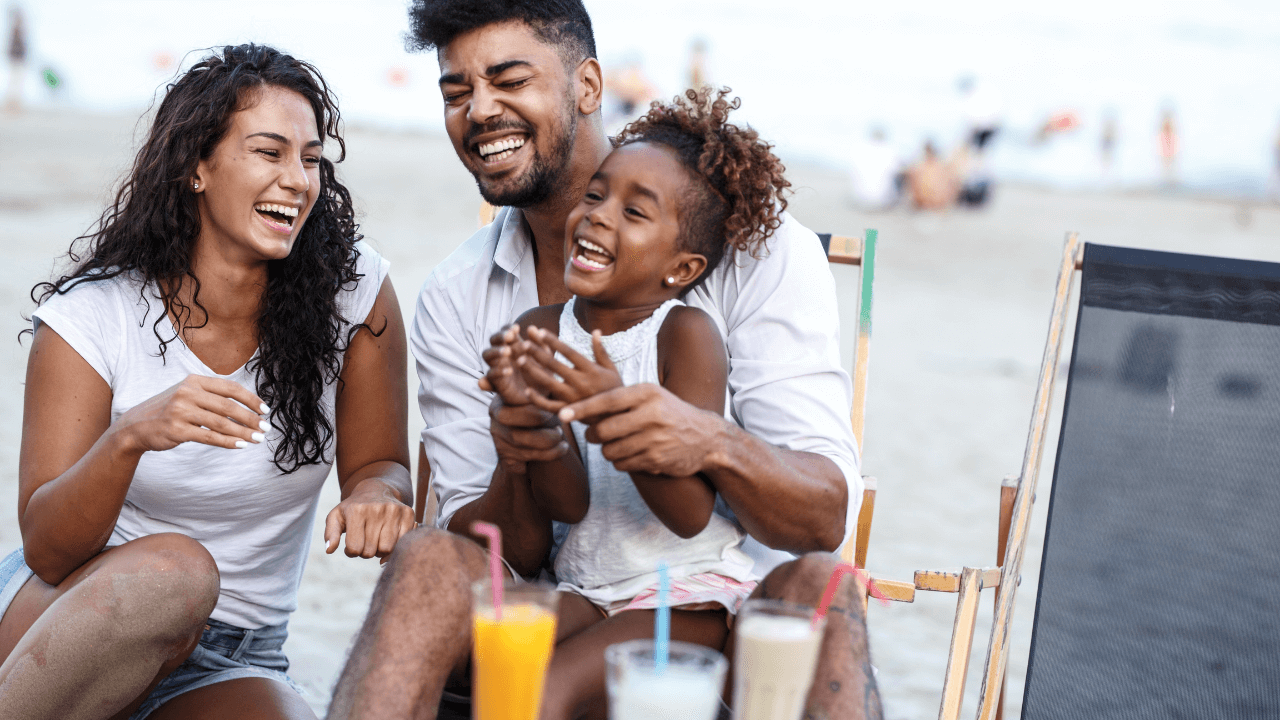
<point>373,518</point>
<point>551,383</point>
<point>199,409</point>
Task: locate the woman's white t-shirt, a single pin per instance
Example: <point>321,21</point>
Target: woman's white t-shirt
<point>253,519</point>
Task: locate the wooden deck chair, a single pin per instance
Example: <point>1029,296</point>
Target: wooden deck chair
<point>969,582</point>
<point>1157,584</point>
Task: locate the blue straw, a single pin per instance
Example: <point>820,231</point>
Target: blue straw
<point>662,622</point>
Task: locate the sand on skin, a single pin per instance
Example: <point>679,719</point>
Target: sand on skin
<point>961,308</point>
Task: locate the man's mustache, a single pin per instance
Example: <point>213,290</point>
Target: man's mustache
<point>497,126</point>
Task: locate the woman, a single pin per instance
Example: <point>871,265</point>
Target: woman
<point>223,337</point>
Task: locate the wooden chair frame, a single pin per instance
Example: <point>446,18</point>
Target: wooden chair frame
<point>1017,493</point>
<point>844,250</point>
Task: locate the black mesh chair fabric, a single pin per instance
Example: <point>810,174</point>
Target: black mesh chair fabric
<point>1160,584</point>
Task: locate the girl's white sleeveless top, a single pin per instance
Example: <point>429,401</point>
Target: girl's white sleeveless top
<point>613,554</point>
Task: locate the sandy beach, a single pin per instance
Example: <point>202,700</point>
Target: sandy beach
<point>961,309</point>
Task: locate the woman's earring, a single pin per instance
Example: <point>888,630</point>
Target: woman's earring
<point>195,184</point>
<point>671,280</point>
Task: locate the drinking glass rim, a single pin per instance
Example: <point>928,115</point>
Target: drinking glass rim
<point>790,608</point>
<point>707,656</point>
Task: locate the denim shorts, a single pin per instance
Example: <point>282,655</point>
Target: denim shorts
<point>225,652</point>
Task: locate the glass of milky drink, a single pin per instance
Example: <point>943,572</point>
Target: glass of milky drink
<point>687,689</point>
<point>774,660</point>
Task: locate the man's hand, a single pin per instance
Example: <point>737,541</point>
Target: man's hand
<point>645,428</point>
<point>522,432</point>
<point>551,383</point>
<point>525,433</point>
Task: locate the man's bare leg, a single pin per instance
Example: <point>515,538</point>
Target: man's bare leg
<point>418,630</point>
<point>843,686</point>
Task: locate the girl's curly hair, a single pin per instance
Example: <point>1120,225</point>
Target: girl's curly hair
<point>148,234</point>
<point>738,192</point>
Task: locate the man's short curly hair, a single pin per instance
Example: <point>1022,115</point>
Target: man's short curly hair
<point>737,191</point>
<point>563,24</point>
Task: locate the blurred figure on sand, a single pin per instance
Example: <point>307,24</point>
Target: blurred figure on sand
<point>931,183</point>
<point>17,60</point>
<point>698,64</point>
<point>1169,148</point>
<point>1107,142</point>
<point>631,89</point>
<point>1274,189</point>
<point>1059,122</point>
<point>874,172</point>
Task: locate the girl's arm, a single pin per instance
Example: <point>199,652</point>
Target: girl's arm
<point>372,437</point>
<point>693,365</point>
<point>560,487</point>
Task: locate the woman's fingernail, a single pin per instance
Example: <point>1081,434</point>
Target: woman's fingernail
<point>266,426</point>
<point>265,409</point>
<point>257,437</point>
<point>241,444</point>
<point>566,415</point>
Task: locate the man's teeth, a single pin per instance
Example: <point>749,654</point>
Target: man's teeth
<point>285,210</point>
<point>500,150</point>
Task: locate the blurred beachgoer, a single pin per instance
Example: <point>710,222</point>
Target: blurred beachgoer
<point>1275,169</point>
<point>1057,123</point>
<point>971,171</point>
<point>874,168</point>
<point>631,88</point>
<point>222,339</point>
<point>1107,141</point>
<point>1169,147</point>
<point>981,112</point>
<point>698,64</point>
<point>931,183</point>
<point>17,61</point>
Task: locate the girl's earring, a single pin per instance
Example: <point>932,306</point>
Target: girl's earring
<point>671,280</point>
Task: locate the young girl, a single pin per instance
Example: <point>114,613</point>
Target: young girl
<point>682,187</point>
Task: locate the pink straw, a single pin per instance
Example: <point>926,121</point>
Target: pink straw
<point>833,584</point>
<point>495,562</point>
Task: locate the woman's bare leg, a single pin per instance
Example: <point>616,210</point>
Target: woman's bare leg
<point>94,646</point>
<point>575,685</point>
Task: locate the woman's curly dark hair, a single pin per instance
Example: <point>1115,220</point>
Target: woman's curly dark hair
<point>148,234</point>
<point>739,191</point>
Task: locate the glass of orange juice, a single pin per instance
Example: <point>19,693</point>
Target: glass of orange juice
<point>511,649</point>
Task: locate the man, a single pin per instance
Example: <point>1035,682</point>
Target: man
<point>522,91</point>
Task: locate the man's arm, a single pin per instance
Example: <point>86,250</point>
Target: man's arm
<point>790,474</point>
<point>466,430</point>
<point>788,500</point>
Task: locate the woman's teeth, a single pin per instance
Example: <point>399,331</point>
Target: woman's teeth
<point>500,150</point>
<point>281,214</point>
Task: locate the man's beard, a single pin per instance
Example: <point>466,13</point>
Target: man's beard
<point>543,178</point>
